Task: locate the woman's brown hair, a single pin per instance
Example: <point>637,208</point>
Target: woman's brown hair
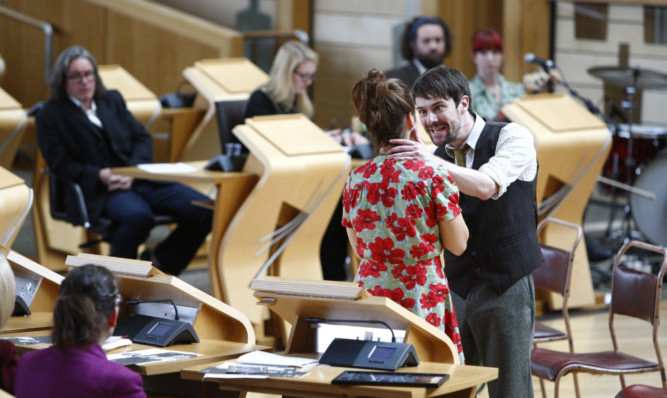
<point>382,105</point>
<point>88,296</point>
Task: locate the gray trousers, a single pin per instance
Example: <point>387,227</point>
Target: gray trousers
<point>497,330</point>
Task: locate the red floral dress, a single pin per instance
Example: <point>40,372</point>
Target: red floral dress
<point>394,208</point>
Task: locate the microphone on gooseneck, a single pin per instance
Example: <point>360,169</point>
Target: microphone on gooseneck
<point>546,64</point>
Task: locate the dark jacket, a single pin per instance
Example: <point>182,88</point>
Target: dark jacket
<point>502,247</point>
<point>408,74</point>
<point>77,150</point>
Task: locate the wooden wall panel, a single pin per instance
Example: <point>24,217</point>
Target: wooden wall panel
<point>151,41</point>
<point>22,46</point>
<point>169,53</point>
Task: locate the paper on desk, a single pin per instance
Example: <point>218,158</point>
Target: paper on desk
<point>270,359</point>
<point>114,342</point>
<point>149,356</point>
<point>233,370</point>
<point>165,168</point>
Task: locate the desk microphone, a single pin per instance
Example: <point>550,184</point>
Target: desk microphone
<point>324,320</point>
<point>546,64</point>
<point>135,302</point>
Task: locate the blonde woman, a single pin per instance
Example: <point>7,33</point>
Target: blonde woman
<point>7,350</point>
<point>293,70</point>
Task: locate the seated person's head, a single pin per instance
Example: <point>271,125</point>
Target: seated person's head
<point>7,291</point>
<point>75,75</point>
<point>427,39</point>
<point>293,70</point>
<point>87,309</point>
<point>487,51</point>
<point>385,106</point>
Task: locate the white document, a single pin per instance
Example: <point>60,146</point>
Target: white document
<point>270,359</point>
<point>167,168</point>
<point>114,342</point>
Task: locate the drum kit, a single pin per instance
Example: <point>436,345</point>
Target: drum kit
<point>637,162</point>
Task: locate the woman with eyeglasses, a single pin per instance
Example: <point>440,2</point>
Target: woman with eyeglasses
<point>7,349</point>
<point>292,72</point>
<point>76,366</point>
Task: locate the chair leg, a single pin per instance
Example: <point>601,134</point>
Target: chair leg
<point>544,393</point>
<point>576,385</point>
<point>622,381</point>
<point>556,385</point>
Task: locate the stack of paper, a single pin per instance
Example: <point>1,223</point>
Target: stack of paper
<point>302,287</point>
<point>261,364</point>
<point>122,266</point>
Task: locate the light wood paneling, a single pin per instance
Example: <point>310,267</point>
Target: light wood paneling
<point>153,42</point>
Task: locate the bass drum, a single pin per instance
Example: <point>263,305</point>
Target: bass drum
<point>651,215</point>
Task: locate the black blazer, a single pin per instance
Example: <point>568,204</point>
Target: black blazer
<point>408,74</point>
<point>76,149</point>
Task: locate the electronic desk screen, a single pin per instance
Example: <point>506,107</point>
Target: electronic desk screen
<point>160,329</point>
<point>381,352</point>
<point>391,379</point>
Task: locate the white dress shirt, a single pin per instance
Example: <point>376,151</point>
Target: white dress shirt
<point>515,156</point>
<point>91,113</point>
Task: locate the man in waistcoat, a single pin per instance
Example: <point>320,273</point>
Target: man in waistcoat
<point>495,168</point>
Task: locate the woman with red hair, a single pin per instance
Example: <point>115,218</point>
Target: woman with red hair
<point>489,89</point>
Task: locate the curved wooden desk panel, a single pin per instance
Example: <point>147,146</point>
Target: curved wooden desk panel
<point>430,342</point>
<point>14,202</point>
<point>297,190</point>
<point>572,146</point>
<point>41,308</point>
<point>216,320</point>
<point>12,127</point>
<point>217,80</point>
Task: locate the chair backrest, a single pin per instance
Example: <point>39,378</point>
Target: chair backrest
<point>555,273</point>
<point>636,293</point>
<point>57,198</point>
<point>229,114</point>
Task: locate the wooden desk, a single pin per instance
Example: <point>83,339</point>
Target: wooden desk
<point>217,80</point>
<point>12,127</point>
<point>211,351</point>
<point>463,382</point>
<point>14,206</point>
<point>232,190</point>
<point>21,325</point>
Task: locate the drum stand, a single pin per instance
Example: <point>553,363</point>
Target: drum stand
<point>627,231</point>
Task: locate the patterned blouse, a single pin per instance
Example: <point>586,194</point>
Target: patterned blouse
<point>394,208</point>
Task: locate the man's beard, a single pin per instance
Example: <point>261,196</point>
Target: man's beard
<point>431,61</point>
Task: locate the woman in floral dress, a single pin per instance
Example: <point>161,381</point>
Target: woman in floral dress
<point>400,214</point>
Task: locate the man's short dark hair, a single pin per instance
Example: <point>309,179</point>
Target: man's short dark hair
<point>410,35</point>
<point>442,82</point>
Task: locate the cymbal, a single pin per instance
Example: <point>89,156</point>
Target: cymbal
<point>630,77</point>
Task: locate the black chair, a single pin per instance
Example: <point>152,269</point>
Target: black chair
<point>229,114</point>
<point>102,229</point>
<point>234,153</point>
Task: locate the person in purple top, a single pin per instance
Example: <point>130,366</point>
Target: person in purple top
<point>76,366</point>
